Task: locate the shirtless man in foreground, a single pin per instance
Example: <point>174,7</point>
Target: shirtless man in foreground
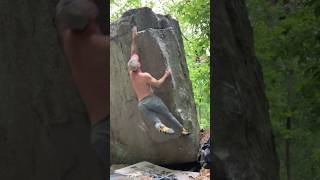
<point>150,105</point>
<point>87,52</point>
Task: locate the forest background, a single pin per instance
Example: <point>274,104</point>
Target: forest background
<point>287,42</point>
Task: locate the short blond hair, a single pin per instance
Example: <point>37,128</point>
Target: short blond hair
<point>133,65</point>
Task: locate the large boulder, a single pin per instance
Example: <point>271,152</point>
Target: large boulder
<point>44,126</point>
<point>243,142</point>
<point>160,45</point>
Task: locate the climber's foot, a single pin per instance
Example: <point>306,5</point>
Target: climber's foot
<point>185,132</point>
<point>165,129</point>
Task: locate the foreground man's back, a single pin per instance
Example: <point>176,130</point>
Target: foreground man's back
<point>87,52</point>
<point>87,55</point>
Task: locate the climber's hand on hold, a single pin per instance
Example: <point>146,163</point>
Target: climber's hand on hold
<point>168,72</point>
<point>134,29</point>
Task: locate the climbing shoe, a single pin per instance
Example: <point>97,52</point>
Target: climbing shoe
<point>166,130</point>
<point>185,132</point>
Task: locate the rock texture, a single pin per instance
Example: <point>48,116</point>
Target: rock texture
<point>243,143</point>
<point>160,45</point>
<point>44,128</point>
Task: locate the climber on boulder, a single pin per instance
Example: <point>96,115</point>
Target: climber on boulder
<point>150,105</point>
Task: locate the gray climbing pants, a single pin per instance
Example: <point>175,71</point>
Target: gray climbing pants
<point>152,106</point>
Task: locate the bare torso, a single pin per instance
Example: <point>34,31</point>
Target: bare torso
<point>140,85</point>
<point>87,56</point>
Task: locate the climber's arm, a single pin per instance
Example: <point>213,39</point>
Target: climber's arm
<point>133,40</point>
<point>157,82</point>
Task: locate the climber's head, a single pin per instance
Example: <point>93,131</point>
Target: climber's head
<point>76,14</point>
<point>134,64</point>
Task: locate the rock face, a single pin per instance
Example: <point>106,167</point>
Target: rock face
<point>44,127</point>
<point>243,143</point>
<point>160,45</point>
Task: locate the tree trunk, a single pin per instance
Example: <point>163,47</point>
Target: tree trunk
<point>288,126</point>
<point>44,128</point>
<point>270,17</point>
<point>274,2</point>
<point>286,4</point>
<point>242,134</point>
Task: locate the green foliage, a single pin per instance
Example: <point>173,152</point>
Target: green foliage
<point>119,7</point>
<point>289,41</point>
<point>193,17</point>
